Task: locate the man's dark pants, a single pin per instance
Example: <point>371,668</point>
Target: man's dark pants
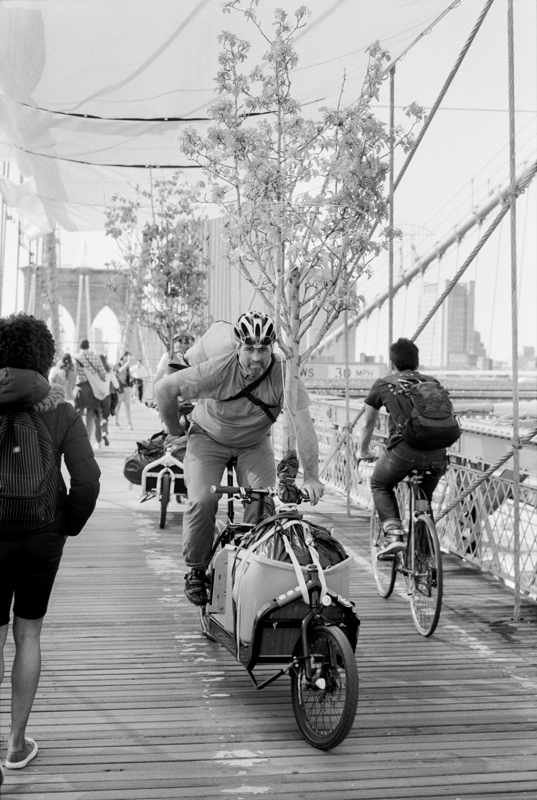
<point>394,465</point>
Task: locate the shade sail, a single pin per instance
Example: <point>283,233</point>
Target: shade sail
<point>93,93</point>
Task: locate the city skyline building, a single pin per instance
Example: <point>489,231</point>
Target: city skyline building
<point>450,340</point>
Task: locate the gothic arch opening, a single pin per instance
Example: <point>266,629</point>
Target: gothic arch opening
<point>106,334</point>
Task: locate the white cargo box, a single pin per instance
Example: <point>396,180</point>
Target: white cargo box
<point>261,580</point>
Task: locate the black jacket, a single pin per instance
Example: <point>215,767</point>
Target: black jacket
<point>21,387</point>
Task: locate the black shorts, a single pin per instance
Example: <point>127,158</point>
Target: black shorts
<point>28,567</point>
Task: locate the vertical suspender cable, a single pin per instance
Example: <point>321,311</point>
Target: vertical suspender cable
<point>390,252</point>
<point>514,312</point>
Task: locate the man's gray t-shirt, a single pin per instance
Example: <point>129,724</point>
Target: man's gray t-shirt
<point>238,423</point>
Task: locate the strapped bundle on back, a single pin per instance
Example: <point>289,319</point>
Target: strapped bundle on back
<point>427,420</point>
<point>29,472</point>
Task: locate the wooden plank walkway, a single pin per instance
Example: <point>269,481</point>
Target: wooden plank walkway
<point>135,704</point>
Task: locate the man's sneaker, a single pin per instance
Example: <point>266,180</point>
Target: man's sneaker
<point>196,587</point>
<point>394,542</point>
<point>105,439</point>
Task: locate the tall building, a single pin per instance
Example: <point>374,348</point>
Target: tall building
<point>450,340</point>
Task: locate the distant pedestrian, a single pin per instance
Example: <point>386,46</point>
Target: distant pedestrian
<point>85,401</point>
<point>122,370</point>
<point>30,554</point>
<point>65,374</point>
<point>182,343</point>
<point>138,374</point>
<point>108,405</point>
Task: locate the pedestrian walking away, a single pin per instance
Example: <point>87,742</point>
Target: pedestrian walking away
<point>139,374</point>
<point>88,364</point>
<point>124,391</point>
<point>38,512</point>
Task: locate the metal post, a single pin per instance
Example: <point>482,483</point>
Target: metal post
<point>348,454</point>
<point>514,312</point>
<point>391,223</point>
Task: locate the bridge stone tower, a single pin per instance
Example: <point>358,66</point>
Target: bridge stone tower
<point>82,291</point>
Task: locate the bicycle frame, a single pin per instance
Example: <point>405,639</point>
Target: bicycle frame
<point>309,632</point>
<point>154,473</point>
<point>420,563</point>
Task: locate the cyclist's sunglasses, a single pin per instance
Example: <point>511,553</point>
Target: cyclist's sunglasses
<point>254,342</point>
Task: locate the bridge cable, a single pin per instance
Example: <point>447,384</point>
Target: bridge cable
<point>443,91</point>
<point>486,236</point>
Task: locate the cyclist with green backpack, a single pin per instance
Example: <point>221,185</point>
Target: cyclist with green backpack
<point>239,393</point>
<point>421,426</point>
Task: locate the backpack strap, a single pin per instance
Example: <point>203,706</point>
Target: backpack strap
<point>247,392</point>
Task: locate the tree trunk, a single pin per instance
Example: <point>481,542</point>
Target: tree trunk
<point>293,364</point>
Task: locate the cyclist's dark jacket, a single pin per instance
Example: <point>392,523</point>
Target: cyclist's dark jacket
<point>382,393</point>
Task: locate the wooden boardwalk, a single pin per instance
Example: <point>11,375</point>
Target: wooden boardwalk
<point>135,704</point>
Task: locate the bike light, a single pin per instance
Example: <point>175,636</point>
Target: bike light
<point>326,600</point>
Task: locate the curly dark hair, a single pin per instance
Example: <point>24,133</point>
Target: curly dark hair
<point>26,343</point>
<point>404,354</point>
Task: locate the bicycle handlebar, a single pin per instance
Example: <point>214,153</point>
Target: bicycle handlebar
<point>249,491</point>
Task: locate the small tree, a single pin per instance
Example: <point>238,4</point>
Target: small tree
<point>162,259</point>
<point>302,248</point>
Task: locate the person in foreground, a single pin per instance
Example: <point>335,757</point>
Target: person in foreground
<point>33,530</point>
<point>399,458</point>
<point>232,420</point>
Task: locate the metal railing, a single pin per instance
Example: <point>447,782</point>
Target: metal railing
<point>480,527</point>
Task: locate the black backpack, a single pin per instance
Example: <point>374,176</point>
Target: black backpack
<point>29,472</point>
<point>426,418</point>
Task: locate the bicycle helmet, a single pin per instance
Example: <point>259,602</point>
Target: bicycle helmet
<point>255,328</point>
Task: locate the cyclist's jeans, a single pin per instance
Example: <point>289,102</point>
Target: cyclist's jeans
<point>204,464</point>
<point>392,466</point>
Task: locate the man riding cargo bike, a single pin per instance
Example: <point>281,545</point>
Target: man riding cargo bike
<point>238,396</point>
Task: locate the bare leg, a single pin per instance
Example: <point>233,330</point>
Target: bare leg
<point>3,636</point>
<point>25,675</point>
<point>127,404</point>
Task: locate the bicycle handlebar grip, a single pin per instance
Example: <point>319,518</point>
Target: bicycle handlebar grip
<point>248,490</point>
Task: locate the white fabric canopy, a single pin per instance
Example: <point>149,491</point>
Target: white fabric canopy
<point>93,92</point>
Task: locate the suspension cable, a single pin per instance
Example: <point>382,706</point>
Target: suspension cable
<point>443,91</point>
<point>486,236</point>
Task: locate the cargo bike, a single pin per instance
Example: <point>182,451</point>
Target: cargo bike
<point>157,466</point>
<point>293,616</point>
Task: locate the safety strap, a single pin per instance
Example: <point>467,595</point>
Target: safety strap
<point>247,392</point>
<point>300,575</point>
<point>315,559</point>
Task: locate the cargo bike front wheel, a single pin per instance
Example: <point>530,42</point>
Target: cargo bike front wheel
<point>324,687</point>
